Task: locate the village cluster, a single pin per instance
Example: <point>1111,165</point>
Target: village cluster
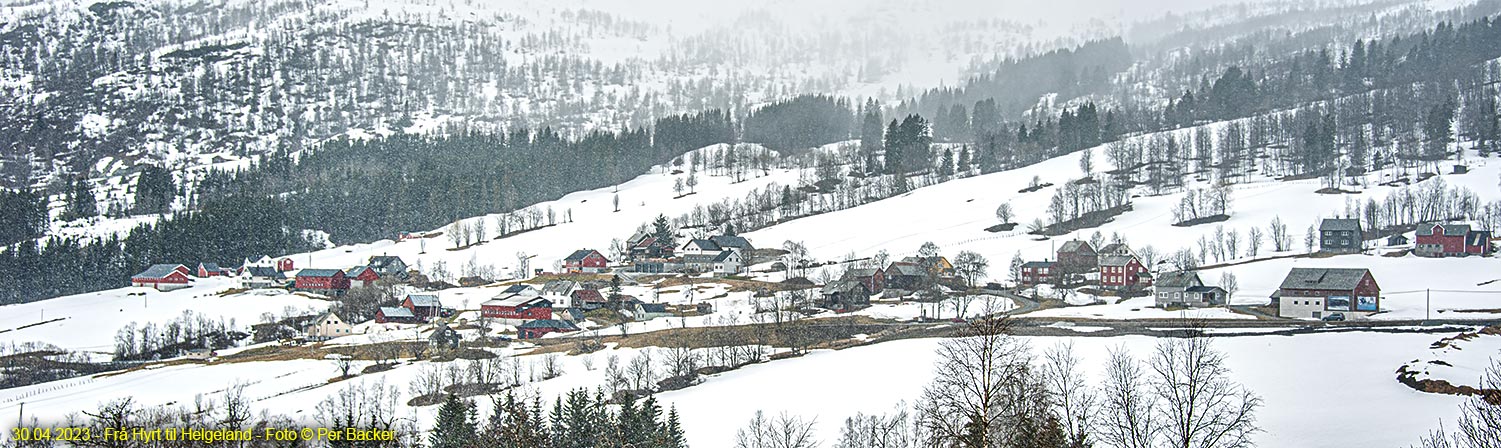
<point>1305,293</point>
<point>559,303</point>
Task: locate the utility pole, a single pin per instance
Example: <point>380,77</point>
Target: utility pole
<point>1428,304</point>
<point>21,415</point>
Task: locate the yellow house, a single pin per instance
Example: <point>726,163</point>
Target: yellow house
<point>328,327</point>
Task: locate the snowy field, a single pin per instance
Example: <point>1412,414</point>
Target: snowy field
<point>89,321</point>
<point>1320,390</point>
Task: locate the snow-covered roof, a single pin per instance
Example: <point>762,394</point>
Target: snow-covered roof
<point>703,244</point>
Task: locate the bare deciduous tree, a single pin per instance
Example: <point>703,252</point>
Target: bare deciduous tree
<point>1126,409</point>
<point>1200,406</point>
<point>782,431</point>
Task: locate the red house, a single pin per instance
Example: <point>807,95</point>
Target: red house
<point>1121,271</point>
<point>1451,240</point>
<point>422,306</point>
<point>1035,273</point>
<point>517,306</point>
<point>536,328</point>
<point>206,270</point>
<point>284,264</point>
<point>322,281</point>
<point>585,260</point>
<point>162,277</point>
<point>362,276</point>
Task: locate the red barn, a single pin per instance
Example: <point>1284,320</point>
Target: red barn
<point>284,264</point>
<point>423,306</point>
<point>322,281</point>
<point>1121,271</point>
<point>536,328</point>
<point>517,306</point>
<point>1451,240</point>
<point>874,279</point>
<point>585,260</point>
<point>162,277</point>
<point>394,314</point>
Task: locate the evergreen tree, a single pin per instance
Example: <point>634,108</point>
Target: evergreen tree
<point>81,202</point>
<point>674,431</point>
<point>455,425</point>
<point>662,230</point>
<point>154,190</point>
<point>871,137</point>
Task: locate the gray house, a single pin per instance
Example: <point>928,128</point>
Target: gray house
<point>845,295</point>
<point>1340,236</point>
<point>1184,288</point>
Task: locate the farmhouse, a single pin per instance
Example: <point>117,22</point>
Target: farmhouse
<point>256,277</point>
<point>587,299</point>
<point>328,326</point>
<point>1115,249</point>
<point>874,279</point>
<point>517,306</point>
<point>1451,240</point>
<point>279,264</point>
<point>1184,288</point>
<point>1035,273</point>
<point>938,266</point>
<point>725,262</point>
<point>1340,236</point>
<point>521,289</point>
<point>844,295</point>
<point>388,266</point>
<point>1077,255</point>
<point>162,277</point>
<point>908,276</point>
<point>362,276</point>
<point>423,306</point>
<point>1122,271</point>
<point>394,314</point>
<point>1314,293</point>
<point>537,328</point>
<point>735,243</point>
<point>700,246</point>
<point>585,260</point>
<point>643,246</point>
<point>329,282</point>
<point>649,311</point>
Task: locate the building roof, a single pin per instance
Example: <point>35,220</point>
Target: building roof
<point>319,272</point>
<point>841,287</point>
<point>1477,238</point>
<point>384,261</point>
<point>1204,289</point>
<point>1116,260</point>
<point>357,270</point>
<point>520,288</point>
<point>903,268</point>
<point>860,273</point>
<point>157,271</point>
<point>516,300</point>
<point>210,266</point>
<point>655,308</point>
<point>589,295</point>
<point>1076,246</point>
<point>581,254</point>
<point>724,256</point>
<point>1113,248</point>
<point>1339,225</point>
<point>559,287</point>
<point>424,299</point>
<point>395,311</point>
<point>704,244</point>
<point>572,313</point>
<point>1037,264</point>
<point>325,316</point>
<point>549,324</point>
<point>1449,229</point>
<point>730,241</point>
<point>1178,279</point>
<point>1324,278</point>
<point>263,271</point>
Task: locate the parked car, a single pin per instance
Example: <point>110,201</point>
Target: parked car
<point>1335,317</point>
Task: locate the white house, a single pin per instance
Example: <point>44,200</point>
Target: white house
<point>328,327</point>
